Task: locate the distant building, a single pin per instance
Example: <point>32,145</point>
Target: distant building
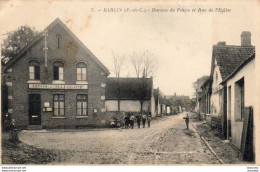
<point>129,93</point>
<point>162,105</point>
<point>181,100</point>
<point>205,100</point>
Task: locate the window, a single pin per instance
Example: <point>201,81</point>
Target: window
<point>81,71</point>
<point>82,105</point>
<point>34,70</point>
<point>58,41</point>
<point>58,71</point>
<point>58,100</point>
<point>239,100</point>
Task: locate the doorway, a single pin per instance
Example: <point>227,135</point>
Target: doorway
<point>34,109</point>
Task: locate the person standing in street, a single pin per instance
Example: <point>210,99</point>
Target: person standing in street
<point>132,118</point>
<point>138,120</point>
<point>126,121</point>
<point>187,120</point>
<point>143,120</point>
<point>149,120</point>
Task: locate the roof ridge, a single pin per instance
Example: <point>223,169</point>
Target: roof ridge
<point>40,35</point>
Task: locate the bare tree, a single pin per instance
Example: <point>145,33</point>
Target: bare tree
<point>149,64</point>
<point>118,62</point>
<point>145,63</point>
<point>137,63</point>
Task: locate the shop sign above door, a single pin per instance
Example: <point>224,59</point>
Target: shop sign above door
<point>57,86</point>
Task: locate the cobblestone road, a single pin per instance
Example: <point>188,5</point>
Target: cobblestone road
<point>166,142</point>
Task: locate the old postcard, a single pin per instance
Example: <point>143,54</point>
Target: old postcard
<point>129,83</point>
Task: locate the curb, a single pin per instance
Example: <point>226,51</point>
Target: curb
<point>208,145</point>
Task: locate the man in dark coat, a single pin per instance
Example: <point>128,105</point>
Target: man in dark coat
<point>144,120</point>
<point>126,121</point>
<point>149,120</point>
<point>132,118</point>
<point>138,120</point>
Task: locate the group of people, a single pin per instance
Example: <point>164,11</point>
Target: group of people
<point>130,120</point>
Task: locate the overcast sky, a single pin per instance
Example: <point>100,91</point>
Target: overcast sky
<point>182,42</point>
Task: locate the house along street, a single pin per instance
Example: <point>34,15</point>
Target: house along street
<point>166,142</point>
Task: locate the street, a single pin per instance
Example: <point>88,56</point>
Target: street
<point>166,142</point>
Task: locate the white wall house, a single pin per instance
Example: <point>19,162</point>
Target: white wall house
<point>225,59</point>
<point>130,92</point>
<point>127,105</point>
<point>240,94</point>
<point>233,86</point>
<point>216,104</point>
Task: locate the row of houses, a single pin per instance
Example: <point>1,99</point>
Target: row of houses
<point>56,81</point>
<point>226,99</point>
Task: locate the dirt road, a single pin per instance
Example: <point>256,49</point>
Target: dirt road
<point>166,142</point>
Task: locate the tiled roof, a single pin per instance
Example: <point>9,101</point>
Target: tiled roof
<point>230,57</point>
<point>40,36</point>
<point>163,100</point>
<point>130,88</point>
<point>238,68</point>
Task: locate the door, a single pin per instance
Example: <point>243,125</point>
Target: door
<point>34,109</point>
<point>224,126</point>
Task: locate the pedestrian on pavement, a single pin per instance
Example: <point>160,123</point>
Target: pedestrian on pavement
<point>187,120</point>
<point>132,118</point>
<point>138,120</point>
<point>149,119</point>
<point>143,120</point>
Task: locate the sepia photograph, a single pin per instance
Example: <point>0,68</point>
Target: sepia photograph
<point>147,83</point>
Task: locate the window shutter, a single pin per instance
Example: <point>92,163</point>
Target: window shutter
<point>56,73</point>
<point>37,72</point>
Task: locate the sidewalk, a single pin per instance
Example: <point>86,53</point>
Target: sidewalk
<point>225,150</point>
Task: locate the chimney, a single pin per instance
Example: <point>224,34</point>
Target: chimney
<point>245,39</point>
<point>221,44</point>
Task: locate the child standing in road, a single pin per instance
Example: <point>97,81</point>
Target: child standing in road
<point>187,120</point>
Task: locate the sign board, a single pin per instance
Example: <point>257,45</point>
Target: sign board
<point>47,109</point>
<point>46,104</point>
<point>57,86</point>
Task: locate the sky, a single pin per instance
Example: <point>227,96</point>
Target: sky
<point>181,41</point>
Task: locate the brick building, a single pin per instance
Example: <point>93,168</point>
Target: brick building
<point>55,81</point>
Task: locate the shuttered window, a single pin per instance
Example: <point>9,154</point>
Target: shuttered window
<point>58,71</point>
<point>34,70</point>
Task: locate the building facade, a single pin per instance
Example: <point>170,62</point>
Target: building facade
<point>225,58</point>
<point>55,81</point>
<point>240,94</point>
<point>128,95</point>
